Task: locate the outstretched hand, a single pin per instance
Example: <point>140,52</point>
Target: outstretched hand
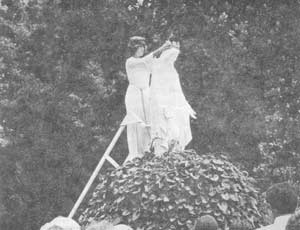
<point>167,43</point>
<point>176,45</point>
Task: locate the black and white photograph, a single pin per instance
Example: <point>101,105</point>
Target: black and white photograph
<point>149,114</point>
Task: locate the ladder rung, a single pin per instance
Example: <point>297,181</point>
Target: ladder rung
<point>112,161</point>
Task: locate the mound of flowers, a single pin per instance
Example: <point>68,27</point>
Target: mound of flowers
<point>171,191</point>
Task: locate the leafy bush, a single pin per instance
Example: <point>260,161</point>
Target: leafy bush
<point>169,192</point>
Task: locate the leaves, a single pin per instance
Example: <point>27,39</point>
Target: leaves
<point>191,195</point>
<point>223,206</point>
<point>62,89</point>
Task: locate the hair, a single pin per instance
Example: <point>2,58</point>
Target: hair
<point>240,225</point>
<point>282,198</point>
<point>293,222</point>
<point>206,222</point>
<point>134,43</point>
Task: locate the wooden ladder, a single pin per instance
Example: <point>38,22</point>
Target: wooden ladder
<point>105,156</point>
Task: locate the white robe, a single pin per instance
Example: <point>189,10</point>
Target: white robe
<point>137,105</point>
<point>169,110</point>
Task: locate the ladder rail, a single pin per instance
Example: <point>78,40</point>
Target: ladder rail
<point>108,158</point>
<point>97,169</point>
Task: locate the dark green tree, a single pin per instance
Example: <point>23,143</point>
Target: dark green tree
<point>62,87</point>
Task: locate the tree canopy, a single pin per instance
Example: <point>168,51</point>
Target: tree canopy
<point>62,87</point>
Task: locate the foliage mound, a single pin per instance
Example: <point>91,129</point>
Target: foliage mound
<point>170,192</point>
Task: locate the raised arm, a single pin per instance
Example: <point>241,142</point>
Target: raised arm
<point>156,53</point>
<point>167,45</point>
<point>170,55</point>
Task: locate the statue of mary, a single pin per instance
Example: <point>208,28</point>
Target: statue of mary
<point>169,110</point>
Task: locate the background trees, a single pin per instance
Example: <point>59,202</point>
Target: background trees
<point>63,81</point>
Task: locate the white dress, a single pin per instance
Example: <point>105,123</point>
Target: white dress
<point>137,105</point>
<point>170,112</point>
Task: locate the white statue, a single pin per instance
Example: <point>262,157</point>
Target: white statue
<point>169,110</point>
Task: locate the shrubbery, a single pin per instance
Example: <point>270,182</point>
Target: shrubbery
<point>169,192</point>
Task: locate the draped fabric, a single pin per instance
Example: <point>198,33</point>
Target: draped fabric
<point>169,110</point>
<point>137,105</point>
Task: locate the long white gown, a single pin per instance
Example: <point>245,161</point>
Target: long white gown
<point>169,110</point>
<point>137,105</point>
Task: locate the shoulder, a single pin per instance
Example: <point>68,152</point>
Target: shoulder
<point>131,61</point>
<point>173,50</point>
<point>170,52</point>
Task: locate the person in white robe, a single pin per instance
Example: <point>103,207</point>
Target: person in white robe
<point>138,68</point>
<point>169,110</point>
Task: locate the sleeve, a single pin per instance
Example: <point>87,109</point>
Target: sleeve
<point>170,55</point>
<point>138,62</point>
<point>148,60</point>
<point>127,67</point>
<point>131,64</point>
